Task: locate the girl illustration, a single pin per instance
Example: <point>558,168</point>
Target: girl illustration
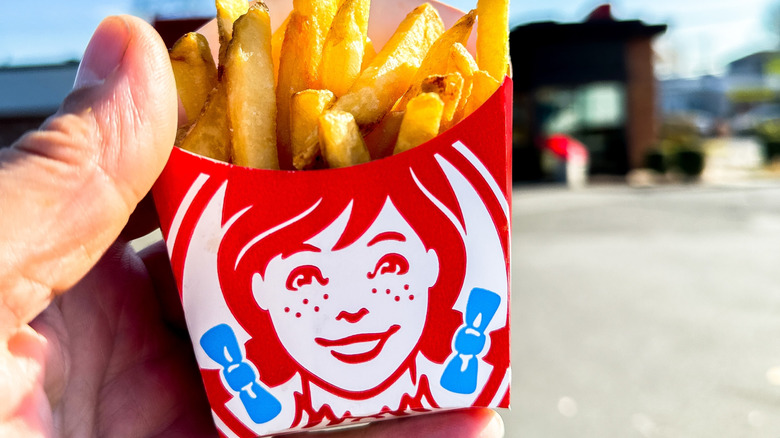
<point>348,298</point>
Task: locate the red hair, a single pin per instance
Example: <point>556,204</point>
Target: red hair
<point>327,194</point>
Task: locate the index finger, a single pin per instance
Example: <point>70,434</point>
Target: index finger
<point>466,423</point>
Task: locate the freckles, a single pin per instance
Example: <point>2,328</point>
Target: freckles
<point>304,307</point>
<point>397,297</point>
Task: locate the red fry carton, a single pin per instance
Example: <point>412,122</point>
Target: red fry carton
<point>332,297</point>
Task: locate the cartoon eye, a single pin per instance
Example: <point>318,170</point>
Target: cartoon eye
<point>305,275</point>
<point>391,263</point>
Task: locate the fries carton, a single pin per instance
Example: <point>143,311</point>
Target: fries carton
<point>334,297</point>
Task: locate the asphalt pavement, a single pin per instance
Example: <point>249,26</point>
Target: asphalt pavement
<point>651,312</point>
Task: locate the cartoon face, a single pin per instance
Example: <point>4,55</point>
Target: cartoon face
<point>352,316</point>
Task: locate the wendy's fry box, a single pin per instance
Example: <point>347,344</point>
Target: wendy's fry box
<point>332,297</point>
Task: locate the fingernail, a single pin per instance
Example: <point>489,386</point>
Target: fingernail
<point>495,428</point>
<point>104,52</point>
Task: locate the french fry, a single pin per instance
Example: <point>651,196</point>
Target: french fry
<point>305,110</point>
<point>369,53</point>
<point>209,135</point>
<point>449,88</point>
<point>341,143</point>
<point>299,62</point>
<point>483,86</point>
<point>228,12</point>
<point>421,121</point>
<point>435,61</point>
<point>195,72</point>
<point>390,72</point>
<point>276,45</point>
<point>249,81</point>
<point>342,53</point>
<point>304,95</point>
<point>381,140</point>
<point>493,37</point>
<point>461,61</point>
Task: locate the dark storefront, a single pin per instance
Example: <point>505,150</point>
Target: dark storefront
<point>593,81</point>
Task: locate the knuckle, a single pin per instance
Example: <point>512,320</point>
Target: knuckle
<point>65,138</point>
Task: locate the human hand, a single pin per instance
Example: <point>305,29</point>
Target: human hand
<point>92,341</point>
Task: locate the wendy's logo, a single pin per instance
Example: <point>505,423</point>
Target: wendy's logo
<point>345,296</point>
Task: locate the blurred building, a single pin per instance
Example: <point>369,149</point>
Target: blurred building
<point>754,89</point>
<point>171,29</point>
<point>746,95</point>
<point>755,71</point>
<point>592,80</point>
<point>705,94</point>
<point>30,95</point>
<point>702,101</point>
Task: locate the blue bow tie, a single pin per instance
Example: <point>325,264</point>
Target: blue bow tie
<point>221,345</point>
<point>460,374</point>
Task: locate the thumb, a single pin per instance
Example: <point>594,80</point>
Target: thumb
<point>67,190</point>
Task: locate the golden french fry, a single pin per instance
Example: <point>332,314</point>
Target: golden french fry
<point>228,12</point>
<point>390,72</point>
<point>249,81</point>
<point>369,53</point>
<point>340,140</point>
<point>421,121</point>
<point>299,62</point>
<point>342,53</point>
<point>276,45</point>
<point>483,86</point>
<point>449,88</point>
<point>493,37</point>
<point>435,61</point>
<point>461,61</point>
<point>195,72</point>
<point>305,109</point>
<point>381,140</point>
<point>209,135</point>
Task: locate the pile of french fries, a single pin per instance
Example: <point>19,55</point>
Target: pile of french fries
<point>315,94</point>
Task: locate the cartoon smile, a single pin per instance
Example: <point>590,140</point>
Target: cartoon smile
<point>368,345</point>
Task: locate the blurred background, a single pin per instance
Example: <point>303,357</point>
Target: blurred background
<point>646,219</point>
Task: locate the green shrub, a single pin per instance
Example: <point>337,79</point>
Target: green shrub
<point>690,162</point>
<point>679,149</point>
<point>656,161</point>
<point>769,135</point>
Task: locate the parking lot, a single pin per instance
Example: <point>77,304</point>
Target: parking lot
<point>648,312</point>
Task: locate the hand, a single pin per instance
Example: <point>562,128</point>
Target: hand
<point>92,341</point>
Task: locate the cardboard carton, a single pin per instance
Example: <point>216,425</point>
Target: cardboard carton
<point>332,297</point>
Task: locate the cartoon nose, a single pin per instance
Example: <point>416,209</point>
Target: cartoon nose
<point>352,318</point>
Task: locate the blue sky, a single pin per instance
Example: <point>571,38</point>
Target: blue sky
<point>703,34</point>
